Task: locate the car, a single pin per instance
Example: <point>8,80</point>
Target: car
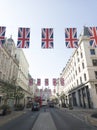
<point>51,104</point>
<point>35,106</point>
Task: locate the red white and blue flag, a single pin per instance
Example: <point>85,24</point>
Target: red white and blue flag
<point>38,82</point>
<point>30,81</point>
<point>71,38</point>
<point>93,36</point>
<point>23,37</point>
<point>47,38</point>
<point>54,82</point>
<point>46,82</point>
<point>62,81</point>
<point>2,35</point>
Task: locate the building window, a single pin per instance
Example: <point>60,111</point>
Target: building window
<point>83,66</point>
<point>78,60</point>
<point>92,51</point>
<point>96,74</point>
<point>77,82</point>
<point>74,76</point>
<point>96,88</point>
<point>85,78</point>
<point>76,72</point>
<point>77,53</point>
<point>79,69</point>
<point>81,80</point>
<point>94,61</point>
<point>81,55</point>
<point>75,63</point>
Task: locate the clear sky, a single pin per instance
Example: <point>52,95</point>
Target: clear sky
<point>56,14</point>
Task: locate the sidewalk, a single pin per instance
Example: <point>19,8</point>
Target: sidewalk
<point>82,114</point>
<point>44,122</point>
<point>13,115</point>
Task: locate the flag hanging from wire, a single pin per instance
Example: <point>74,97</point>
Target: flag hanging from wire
<point>2,35</point>
<point>93,36</point>
<point>38,82</point>
<point>62,81</point>
<point>30,81</point>
<point>47,38</point>
<point>54,82</point>
<point>71,38</point>
<point>46,82</point>
<point>23,37</point>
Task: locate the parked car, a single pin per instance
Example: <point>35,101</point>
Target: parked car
<point>35,106</point>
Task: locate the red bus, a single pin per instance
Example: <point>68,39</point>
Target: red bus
<point>38,99</point>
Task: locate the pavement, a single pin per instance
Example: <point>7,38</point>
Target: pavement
<point>9,117</point>
<point>82,114</point>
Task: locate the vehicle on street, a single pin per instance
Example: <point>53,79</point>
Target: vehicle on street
<point>51,104</point>
<point>38,99</point>
<point>35,106</point>
<point>44,102</point>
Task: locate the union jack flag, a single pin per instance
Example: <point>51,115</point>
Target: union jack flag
<point>23,37</point>
<point>47,38</point>
<point>2,35</point>
<point>41,90</point>
<point>71,38</point>
<point>62,81</point>
<point>54,82</point>
<point>30,81</point>
<point>93,36</point>
<point>38,82</point>
<point>46,82</point>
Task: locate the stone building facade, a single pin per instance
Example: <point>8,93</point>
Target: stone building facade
<point>8,64</point>
<point>14,68</point>
<point>80,75</point>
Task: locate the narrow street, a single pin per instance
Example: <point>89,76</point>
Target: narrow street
<point>60,120</point>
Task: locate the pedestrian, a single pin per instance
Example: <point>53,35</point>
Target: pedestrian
<point>59,105</point>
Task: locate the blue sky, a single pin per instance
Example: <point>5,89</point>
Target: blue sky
<point>37,14</point>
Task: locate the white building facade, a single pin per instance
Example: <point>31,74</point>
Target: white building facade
<point>22,78</point>
<point>8,65</point>
<point>80,75</point>
<point>14,68</point>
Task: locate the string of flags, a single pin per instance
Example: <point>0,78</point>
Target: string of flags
<point>47,37</point>
<point>55,82</point>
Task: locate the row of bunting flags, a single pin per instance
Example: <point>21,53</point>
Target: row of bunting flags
<point>46,82</point>
<point>47,37</point>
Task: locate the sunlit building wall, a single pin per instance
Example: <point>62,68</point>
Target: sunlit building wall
<point>8,63</point>
<point>22,79</point>
<point>80,75</point>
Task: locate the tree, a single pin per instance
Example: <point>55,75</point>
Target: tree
<point>63,98</point>
<point>10,90</point>
<point>18,94</point>
<point>7,90</point>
